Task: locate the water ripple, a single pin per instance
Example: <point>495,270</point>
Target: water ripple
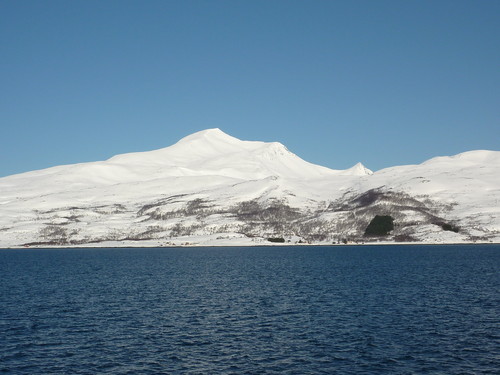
<point>349,310</point>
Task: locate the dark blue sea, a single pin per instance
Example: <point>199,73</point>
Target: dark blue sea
<point>270,310</point>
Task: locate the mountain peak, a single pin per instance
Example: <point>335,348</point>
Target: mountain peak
<point>359,170</point>
<point>213,152</point>
<point>214,134</point>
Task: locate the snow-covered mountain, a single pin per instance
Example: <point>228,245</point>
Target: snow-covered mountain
<point>213,189</point>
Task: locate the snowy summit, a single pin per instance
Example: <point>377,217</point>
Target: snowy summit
<point>213,152</point>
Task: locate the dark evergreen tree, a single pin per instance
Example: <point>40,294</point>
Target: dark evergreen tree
<point>380,226</point>
<point>276,239</point>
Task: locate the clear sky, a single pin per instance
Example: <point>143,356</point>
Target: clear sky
<point>382,82</point>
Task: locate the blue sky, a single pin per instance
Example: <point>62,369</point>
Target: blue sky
<point>381,82</point>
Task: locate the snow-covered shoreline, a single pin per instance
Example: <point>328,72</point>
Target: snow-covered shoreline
<point>246,245</point>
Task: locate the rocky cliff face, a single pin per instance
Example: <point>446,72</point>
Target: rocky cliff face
<point>213,189</point>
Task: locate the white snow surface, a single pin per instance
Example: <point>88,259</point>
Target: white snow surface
<point>92,200</point>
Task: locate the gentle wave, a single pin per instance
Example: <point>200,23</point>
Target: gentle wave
<point>324,310</point>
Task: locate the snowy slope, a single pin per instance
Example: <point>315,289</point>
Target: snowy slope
<point>211,188</point>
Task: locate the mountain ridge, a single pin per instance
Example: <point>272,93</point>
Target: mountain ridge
<point>212,188</point>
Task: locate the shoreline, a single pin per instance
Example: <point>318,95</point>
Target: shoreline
<point>252,246</point>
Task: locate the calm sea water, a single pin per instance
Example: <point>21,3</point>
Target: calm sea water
<point>275,310</point>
